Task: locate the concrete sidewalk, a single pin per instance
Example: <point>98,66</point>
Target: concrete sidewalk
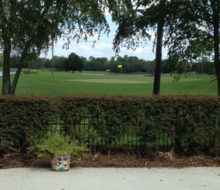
<point>111,179</point>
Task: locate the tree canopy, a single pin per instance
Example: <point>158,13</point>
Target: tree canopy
<point>196,34</point>
<point>73,63</point>
<point>137,20</point>
<point>188,28</point>
<point>27,27</point>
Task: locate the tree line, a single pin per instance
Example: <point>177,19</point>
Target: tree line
<point>130,64</point>
<point>188,28</point>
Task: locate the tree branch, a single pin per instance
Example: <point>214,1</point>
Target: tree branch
<point>2,13</point>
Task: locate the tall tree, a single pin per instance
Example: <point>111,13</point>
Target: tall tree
<point>27,27</point>
<point>140,18</point>
<point>160,29</point>
<point>196,34</point>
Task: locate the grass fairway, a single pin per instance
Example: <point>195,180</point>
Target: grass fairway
<point>86,83</point>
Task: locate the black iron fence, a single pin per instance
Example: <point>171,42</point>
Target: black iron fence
<point>103,133</point>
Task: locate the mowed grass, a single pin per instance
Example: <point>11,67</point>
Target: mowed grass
<point>65,83</point>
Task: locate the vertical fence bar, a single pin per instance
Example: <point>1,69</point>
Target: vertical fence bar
<point>136,140</point>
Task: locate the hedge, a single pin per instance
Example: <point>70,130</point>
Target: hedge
<point>23,119</point>
<point>188,124</point>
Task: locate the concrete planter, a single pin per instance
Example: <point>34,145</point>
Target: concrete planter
<point>60,162</point>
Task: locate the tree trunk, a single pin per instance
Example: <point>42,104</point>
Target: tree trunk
<point>52,61</point>
<point>19,69</point>
<point>7,87</point>
<point>6,84</point>
<point>15,81</point>
<point>157,72</point>
<point>216,21</point>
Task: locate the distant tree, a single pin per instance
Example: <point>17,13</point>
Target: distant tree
<point>14,61</point>
<point>112,65</point>
<point>204,66</point>
<point>96,64</point>
<point>130,64</point>
<point>47,64</point>
<point>59,62</point>
<point>148,66</point>
<point>84,61</point>
<point>35,63</point>
<point>73,63</point>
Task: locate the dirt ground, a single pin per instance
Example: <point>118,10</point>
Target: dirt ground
<point>118,161</point>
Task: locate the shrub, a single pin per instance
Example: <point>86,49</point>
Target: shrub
<point>190,123</point>
<point>57,144</point>
<point>145,125</point>
<point>22,119</point>
<point>30,71</point>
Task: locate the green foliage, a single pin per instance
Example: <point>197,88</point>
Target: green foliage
<point>34,25</point>
<point>73,63</point>
<point>57,144</point>
<point>58,63</point>
<point>22,120</point>
<point>194,34</point>
<point>130,64</point>
<point>137,19</point>
<point>30,71</point>
<point>190,123</point>
<point>96,64</point>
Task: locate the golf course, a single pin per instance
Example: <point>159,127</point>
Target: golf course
<point>106,83</point>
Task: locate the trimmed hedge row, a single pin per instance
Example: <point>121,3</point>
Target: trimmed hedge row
<point>23,119</point>
<point>192,122</point>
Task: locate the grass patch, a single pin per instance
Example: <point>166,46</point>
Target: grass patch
<point>111,81</point>
<point>64,83</point>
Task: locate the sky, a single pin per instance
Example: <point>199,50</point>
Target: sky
<point>102,47</point>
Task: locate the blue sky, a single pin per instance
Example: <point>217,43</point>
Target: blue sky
<point>102,47</point>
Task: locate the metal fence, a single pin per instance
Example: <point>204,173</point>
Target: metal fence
<point>103,134</point>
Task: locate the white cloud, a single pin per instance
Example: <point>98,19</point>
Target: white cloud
<point>138,50</point>
<point>103,47</point>
<point>93,36</point>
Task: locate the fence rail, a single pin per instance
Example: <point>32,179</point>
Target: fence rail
<point>102,134</point>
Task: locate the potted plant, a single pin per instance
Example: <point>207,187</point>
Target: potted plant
<point>61,149</point>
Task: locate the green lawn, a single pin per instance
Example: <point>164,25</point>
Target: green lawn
<point>64,83</point>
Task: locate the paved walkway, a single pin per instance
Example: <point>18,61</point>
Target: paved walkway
<point>111,179</point>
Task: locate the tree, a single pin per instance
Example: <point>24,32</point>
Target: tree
<point>197,34</point>
<point>73,63</point>
<point>96,64</point>
<point>27,27</point>
<point>137,20</point>
<point>59,62</point>
<point>1,59</point>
